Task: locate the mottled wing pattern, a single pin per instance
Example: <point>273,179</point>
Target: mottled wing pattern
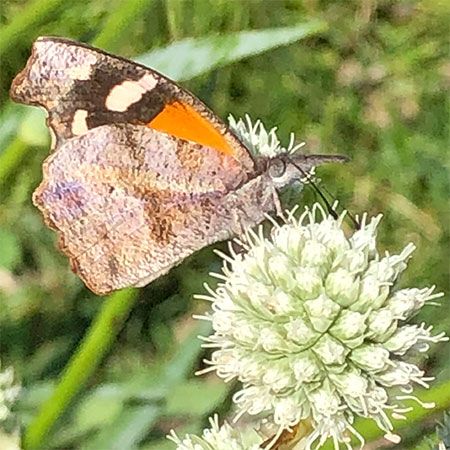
<point>130,202</point>
<point>82,88</point>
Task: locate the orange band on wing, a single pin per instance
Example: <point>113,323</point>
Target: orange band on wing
<point>183,121</point>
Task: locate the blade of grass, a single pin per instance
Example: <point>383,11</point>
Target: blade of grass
<point>35,13</point>
<point>118,21</point>
<point>189,57</point>
<point>10,119</point>
<point>175,371</point>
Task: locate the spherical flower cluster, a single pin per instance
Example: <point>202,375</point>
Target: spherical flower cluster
<point>311,324</point>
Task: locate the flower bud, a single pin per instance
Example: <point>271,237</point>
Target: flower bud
<point>315,254</point>
<point>322,311</point>
<point>308,283</point>
<point>349,328</point>
<point>342,287</point>
<point>370,357</point>
<point>299,331</point>
<point>381,325</point>
<point>306,368</point>
<point>330,351</point>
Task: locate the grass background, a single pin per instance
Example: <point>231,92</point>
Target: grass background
<point>366,79</point>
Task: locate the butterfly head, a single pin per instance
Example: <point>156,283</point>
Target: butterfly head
<point>282,165</point>
<point>286,168</point>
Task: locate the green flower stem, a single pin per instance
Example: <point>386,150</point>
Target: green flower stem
<point>84,362</point>
<point>35,13</point>
<point>118,23</point>
<point>11,158</point>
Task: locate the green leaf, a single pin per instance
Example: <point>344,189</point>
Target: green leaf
<point>195,398</point>
<point>189,58</point>
<point>127,430</point>
<point>100,408</point>
<point>82,364</point>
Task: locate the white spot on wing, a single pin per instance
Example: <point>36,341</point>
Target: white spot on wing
<point>79,125</point>
<point>148,82</point>
<point>82,72</point>
<point>125,94</point>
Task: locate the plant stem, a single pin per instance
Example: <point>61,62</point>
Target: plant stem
<point>84,362</point>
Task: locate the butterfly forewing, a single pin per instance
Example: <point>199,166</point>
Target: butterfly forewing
<point>83,88</point>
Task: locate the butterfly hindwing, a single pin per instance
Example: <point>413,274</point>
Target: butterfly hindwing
<point>129,202</point>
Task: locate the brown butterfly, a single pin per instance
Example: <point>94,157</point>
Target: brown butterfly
<point>142,173</point>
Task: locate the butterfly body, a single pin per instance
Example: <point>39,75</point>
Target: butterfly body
<point>142,174</point>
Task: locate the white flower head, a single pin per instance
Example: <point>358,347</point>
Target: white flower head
<point>258,140</point>
<point>217,438</point>
<point>8,392</point>
<point>309,322</point>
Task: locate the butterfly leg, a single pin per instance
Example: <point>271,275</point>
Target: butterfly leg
<point>277,202</point>
<point>239,226</point>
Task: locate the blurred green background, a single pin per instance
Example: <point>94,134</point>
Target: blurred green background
<point>366,79</point>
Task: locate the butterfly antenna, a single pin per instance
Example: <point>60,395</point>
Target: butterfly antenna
<point>330,208</point>
<point>355,221</point>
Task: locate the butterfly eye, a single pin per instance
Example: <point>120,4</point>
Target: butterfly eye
<point>277,168</point>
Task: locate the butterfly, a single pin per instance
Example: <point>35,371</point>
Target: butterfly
<point>142,174</point>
